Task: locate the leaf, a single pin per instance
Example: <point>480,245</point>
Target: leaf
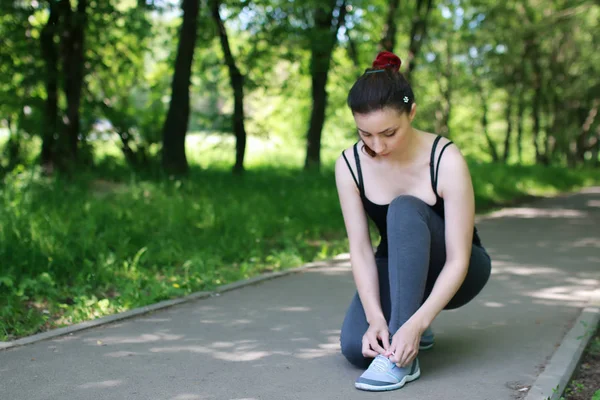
<point>6,281</point>
<point>137,257</point>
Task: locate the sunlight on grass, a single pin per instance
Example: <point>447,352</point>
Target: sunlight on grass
<point>87,247</point>
<point>109,239</point>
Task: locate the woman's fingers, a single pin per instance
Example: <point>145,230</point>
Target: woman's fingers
<point>411,358</point>
<point>366,348</point>
<point>375,344</point>
<point>397,355</point>
<point>403,353</point>
<point>406,357</point>
<point>385,339</point>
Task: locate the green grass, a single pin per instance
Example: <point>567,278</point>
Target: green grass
<point>108,240</point>
<point>497,184</point>
<point>584,382</point>
<point>74,251</point>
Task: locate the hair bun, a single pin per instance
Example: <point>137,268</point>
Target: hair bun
<point>387,60</point>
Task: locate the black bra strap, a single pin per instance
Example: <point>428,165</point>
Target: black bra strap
<point>432,162</point>
<point>350,168</point>
<point>437,168</point>
<point>434,172</point>
<point>361,186</point>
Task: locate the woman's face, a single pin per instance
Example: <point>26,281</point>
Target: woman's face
<point>384,131</point>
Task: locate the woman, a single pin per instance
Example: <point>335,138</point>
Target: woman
<point>417,189</point>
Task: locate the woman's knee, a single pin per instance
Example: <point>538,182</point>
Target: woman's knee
<point>406,206</point>
<point>476,279</point>
<point>407,203</point>
<point>352,350</point>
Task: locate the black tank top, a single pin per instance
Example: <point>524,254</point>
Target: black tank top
<point>378,212</point>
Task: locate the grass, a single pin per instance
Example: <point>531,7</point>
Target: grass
<point>585,383</point>
<point>75,251</point>
<point>108,239</point>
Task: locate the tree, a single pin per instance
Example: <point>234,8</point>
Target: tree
<point>174,160</point>
<point>418,33</point>
<point>73,58</point>
<point>328,18</point>
<point>237,84</point>
<point>537,60</point>
<point>475,64</point>
<point>121,86</point>
<point>50,57</point>
<point>445,80</point>
<point>388,41</point>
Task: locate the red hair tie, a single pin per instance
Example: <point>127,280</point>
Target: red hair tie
<point>387,60</point>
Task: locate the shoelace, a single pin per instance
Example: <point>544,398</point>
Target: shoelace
<point>380,364</point>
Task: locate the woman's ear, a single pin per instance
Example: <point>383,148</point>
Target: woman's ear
<point>413,112</point>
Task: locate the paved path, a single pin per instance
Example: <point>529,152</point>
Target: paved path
<point>279,339</point>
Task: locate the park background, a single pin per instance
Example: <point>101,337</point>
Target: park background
<point>149,149</point>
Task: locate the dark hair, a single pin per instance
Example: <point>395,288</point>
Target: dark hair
<point>381,86</point>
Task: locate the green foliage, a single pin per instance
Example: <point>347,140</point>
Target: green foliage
<point>130,48</point>
<point>583,384</point>
<point>74,251</point>
<point>499,184</point>
<point>129,79</point>
<point>595,345</point>
<point>108,239</point>
<point>20,88</point>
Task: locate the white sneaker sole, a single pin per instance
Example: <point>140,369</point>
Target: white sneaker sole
<point>404,381</point>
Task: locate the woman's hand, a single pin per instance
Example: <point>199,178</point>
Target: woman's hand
<point>378,330</point>
<point>405,344</point>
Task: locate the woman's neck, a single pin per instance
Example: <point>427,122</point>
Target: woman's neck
<point>405,154</point>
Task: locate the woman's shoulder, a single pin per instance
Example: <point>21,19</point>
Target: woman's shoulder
<point>446,152</point>
<point>345,164</point>
<point>436,142</point>
<point>430,138</point>
<point>350,149</point>
<point>348,154</point>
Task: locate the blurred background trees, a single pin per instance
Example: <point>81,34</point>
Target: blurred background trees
<point>106,104</point>
<point>512,82</point>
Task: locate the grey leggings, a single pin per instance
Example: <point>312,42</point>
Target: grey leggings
<point>416,256</point>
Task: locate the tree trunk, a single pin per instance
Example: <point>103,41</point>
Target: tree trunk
<point>353,52</point>
<point>520,112</point>
<point>509,126</point>
<point>173,153</point>
<point>418,32</point>
<point>73,41</point>
<point>50,120</point>
<point>317,120</point>
<point>443,115</point>
<point>388,41</point>
<point>484,123</point>
<point>237,84</point>
<point>583,138</point>
<point>520,86</point>
<point>323,41</point>
<point>596,149</point>
<point>12,149</point>
<point>550,144</point>
<point>537,100</point>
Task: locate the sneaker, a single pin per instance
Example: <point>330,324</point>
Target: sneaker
<point>383,375</point>
<point>427,340</point>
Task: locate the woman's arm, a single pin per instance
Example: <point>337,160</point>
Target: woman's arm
<point>456,188</point>
<point>362,258</point>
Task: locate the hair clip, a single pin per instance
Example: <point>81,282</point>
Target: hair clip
<point>374,71</point>
<point>406,99</point>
